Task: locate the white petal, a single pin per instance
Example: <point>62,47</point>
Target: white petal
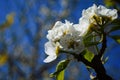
<point>113,14</point>
<point>102,10</point>
<point>49,48</point>
<point>58,24</point>
<point>68,22</point>
<point>107,12</point>
<point>84,25</point>
<point>50,59</point>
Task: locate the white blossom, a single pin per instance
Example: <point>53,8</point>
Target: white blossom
<point>99,11</point>
<point>72,42</point>
<point>88,15</point>
<point>59,30</point>
<point>62,36</point>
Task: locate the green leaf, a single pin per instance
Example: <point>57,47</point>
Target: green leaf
<point>89,37</point>
<point>113,25</point>
<point>88,44</point>
<point>115,22</point>
<point>115,28</point>
<point>88,40</point>
<point>59,73</point>
<point>88,55</point>
<point>60,76</point>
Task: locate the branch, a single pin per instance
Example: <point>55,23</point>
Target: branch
<point>104,45</point>
<point>97,65</point>
<point>99,69</point>
<point>79,57</point>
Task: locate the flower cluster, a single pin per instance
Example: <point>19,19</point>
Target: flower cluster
<point>62,36</point>
<point>69,37</point>
<point>96,16</point>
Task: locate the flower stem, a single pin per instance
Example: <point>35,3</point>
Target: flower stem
<point>96,63</point>
<point>104,46</point>
<point>96,45</point>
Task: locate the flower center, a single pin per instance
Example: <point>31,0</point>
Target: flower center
<point>100,20</point>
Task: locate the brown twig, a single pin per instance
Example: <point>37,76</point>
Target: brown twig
<point>96,63</point>
<point>104,45</point>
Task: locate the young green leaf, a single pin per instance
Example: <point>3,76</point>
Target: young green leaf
<point>89,37</point>
<point>115,28</point>
<point>114,25</point>
<point>60,76</point>
<point>59,73</point>
<point>88,55</point>
<point>88,44</point>
<point>88,40</point>
<point>115,22</point>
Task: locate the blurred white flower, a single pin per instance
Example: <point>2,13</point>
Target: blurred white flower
<point>95,15</point>
<point>62,36</point>
<point>99,11</point>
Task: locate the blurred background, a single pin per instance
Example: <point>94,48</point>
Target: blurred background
<point>23,29</point>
